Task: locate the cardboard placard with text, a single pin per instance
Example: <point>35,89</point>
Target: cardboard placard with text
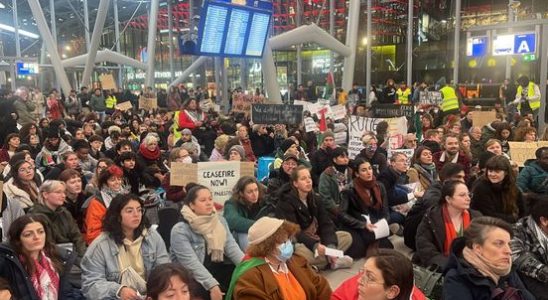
<point>482,118</point>
<point>107,82</point>
<point>148,103</point>
<point>360,125</point>
<point>522,151</point>
<point>124,106</point>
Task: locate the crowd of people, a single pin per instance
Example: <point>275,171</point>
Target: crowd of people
<point>89,212</point>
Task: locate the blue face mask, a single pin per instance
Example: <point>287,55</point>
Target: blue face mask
<point>286,251</point>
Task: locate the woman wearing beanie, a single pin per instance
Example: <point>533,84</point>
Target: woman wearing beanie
<point>423,169</point>
<point>480,264</point>
<point>203,243</point>
<point>366,197</point>
<point>271,271</point>
<point>289,147</point>
<point>236,153</point>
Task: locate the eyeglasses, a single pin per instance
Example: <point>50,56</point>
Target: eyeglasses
<point>364,279</point>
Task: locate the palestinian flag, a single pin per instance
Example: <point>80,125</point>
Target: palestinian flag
<point>330,92</point>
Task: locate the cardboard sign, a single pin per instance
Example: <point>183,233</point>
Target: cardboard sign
<point>393,110</point>
<point>340,138</point>
<point>107,82</point>
<point>430,98</point>
<point>482,118</point>
<point>124,106</point>
<point>148,103</point>
<point>360,125</point>
<point>219,177</point>
<point>408,152</point>
<point>310,125</point>
<point>522,151</point>
<point>338,112</point>
<point>276,114</point>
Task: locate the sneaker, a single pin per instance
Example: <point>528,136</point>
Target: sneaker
<point>344,262</point>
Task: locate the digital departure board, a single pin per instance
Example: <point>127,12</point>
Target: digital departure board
<point>234,28</point>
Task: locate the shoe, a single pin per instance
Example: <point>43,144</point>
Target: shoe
<point>344,262</point>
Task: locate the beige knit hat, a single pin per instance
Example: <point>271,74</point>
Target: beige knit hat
<point>263,229</point>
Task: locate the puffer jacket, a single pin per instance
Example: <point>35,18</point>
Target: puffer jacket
<point>464,282</point>
<point>530,258</point>
<point>533,178</point>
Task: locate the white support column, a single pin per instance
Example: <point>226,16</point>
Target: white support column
<point>195,65</point>
<point>16,26</point>
<point>456,44</point>
<point>170,37</point>
<point>299,58</point>
<point>191,33</point>
<point>50,44</point>
<point>95,40</point>
<point>543,77</point>
<point>217,66</point>
<point>351,42</point>
<point>86,24</point>
<point>151,46</point>
<point>410,43</point>
<point>269,69</point>
<point>117,34</point>
<point>53,20</point>
<point>368,52</point>
<point>332,33</point>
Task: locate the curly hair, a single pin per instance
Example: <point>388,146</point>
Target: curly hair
<point>267,247</point>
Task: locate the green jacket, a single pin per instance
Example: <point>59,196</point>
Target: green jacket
<point>62,227</point>
<point>328,188</point>
<point>240,217</point>
<point>97,103</point>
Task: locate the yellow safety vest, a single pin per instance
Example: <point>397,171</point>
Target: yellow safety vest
<point>450,100</point>
<point>111,101</point>
<point>403,96</point>
<point>530,93</point>
<point>176,133</point>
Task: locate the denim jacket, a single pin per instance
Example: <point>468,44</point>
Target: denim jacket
<point>183,238</point>
<point>100,270</point>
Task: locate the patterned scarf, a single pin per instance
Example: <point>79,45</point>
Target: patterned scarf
<point>45,279</point>
<point>364,189</point>
<point>211,228</point>
<point>150,155</point>
<point>450,232</point>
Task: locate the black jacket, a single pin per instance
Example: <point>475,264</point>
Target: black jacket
<point>378,161</point>
<point>487,198</point>
<point>19,280</point>
<point>431,237</point>
<point>352,208</point>
<point>292,209</point>
<point>390,179</point>
<point>464,282</point>
<point>262,145</point>
<point>414,217</point>
<point>320,160</point>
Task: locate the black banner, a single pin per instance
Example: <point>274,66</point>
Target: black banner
<point>276,114</point>
<point>393,110</point>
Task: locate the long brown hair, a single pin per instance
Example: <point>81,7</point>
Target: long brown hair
<point>510,192</point>
<point>14,235</point>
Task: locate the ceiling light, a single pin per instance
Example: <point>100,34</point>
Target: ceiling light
<point>2,5</point>
<point>21,32</point>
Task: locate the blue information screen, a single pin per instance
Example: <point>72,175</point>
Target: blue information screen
<point>477,46</point>
<point>237,28</point>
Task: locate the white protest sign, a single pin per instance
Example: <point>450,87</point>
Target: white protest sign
<point>340,138</point>
<point>303,103</point>
<point>408,153</point>
<point>338,112</point>
<point>360,125</point>
<point>310,125</point>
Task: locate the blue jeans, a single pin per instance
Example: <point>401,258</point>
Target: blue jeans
<point>241,238</point>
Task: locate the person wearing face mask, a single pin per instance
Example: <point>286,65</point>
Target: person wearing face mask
<point>372,154</point>
<point>333,181</point>
<point>496,194</point>
<point>533,177</point>
<point>480,264</point>
<point>530,246</point>
<point>244,208</point>
<point>271,270</point>
<point>175,193</point>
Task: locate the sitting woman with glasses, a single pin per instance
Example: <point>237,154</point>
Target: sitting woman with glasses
<point>117,264</point>
<point>443,223</point>
<point>386,275</point>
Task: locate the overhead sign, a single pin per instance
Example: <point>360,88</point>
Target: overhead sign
<point>234,28</point>
<point>24,68</point>
<point>511,44</point>
<point>477,46</point>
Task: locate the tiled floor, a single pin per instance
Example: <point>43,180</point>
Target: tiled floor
<point>337,277</point>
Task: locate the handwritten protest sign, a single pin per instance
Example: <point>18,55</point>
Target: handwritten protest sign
<point>276,114</point>
<point>310,125</point>
<point>148,103</point>
<point>522,151</point>
<point>338,112</point>
<point>219,177</point>
<point>430,98</point>
<point>393,110</point>
<point>107,82</point>
<point>124,106</point>
<point>360,125</point>
<point>482,118</point>
<point>408,152</point>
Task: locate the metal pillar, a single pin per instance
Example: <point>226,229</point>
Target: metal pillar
<point>191,32</point>
<point>95,40</point>
<point>410,43</point>
<point>196,64</point>
<point>50,44</point>
<point>508,69</point>
<point>352,43</point>
<point>86,24</point>
<point>243,73</point>
<point>217,65</point>
<point>543,81</point>
<point>53,20</point>
<point>269,67</point>
<point>151,47</point>
<point>42,62</point>
<point>368,52</point>
<point>16,26</point>
<point>456,44</point>
<point>225,83</point>
<point>332,32</point>
<point>170,36</point>
<point>299,58</point>
<point>117,34</point>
